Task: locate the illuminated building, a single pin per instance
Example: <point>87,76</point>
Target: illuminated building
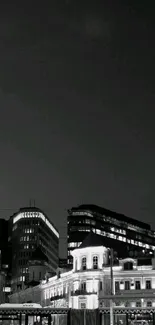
<point>89,282</point>
<point>127,236</point>
<point>30,228</point>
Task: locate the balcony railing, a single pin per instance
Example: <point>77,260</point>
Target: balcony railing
<point>82,293</point>
<point>57,297</point>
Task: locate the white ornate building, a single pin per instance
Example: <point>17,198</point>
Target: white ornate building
<point>88,284</point>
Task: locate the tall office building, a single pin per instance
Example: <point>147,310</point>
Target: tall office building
<point>127,236</point>
<point>30,228</point>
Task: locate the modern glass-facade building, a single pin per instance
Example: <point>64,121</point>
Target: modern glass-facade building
<point>30,228</point>
<point>127,236</point>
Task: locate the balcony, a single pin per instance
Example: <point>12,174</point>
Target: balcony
<point>82,293</point>
<point>136,292</point>
<point>58,297</point>
<point>129,294</point>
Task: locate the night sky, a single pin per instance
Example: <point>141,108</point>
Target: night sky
<point>77,107</point>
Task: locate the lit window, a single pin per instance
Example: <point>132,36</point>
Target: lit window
<point>84,263</point>
<point>95,262</point>
<point>26,246</point>
<point>98,231</point>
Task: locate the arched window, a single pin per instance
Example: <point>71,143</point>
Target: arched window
<point>95,262</point>
<point>84,262</point>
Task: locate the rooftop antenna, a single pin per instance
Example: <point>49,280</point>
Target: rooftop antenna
<point>30,202</point>
<point>34,202</point>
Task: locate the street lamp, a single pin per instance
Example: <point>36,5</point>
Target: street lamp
<point>111,278</point>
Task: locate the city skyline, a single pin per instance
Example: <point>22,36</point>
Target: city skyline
<point>77,108</point>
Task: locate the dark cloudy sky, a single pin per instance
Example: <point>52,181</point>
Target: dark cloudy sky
<point>77,107</point>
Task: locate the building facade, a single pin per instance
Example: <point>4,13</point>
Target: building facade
<point>30,228</point>
<point>127,236</point>
<point>88,284</point>
<point>5,258</point>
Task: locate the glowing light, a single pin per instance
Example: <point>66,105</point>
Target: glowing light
<point>35,215</point>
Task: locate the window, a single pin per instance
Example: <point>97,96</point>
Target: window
<point>117,288</point>
<point>83,286</point>
<point>83,305</point>
<point>76,265</point>
<point>127,285</point>
<point>128,266</point>
<point>137,285</point>
<point>148,284</point>
<point>149,303</point>
<point>95,262</point>
<point>138,304</point>
<point>26,246</point>
<point>100,285</point>
<point>84,263</point>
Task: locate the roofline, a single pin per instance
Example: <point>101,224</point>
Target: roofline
<point>92,208</point>
<point>33,209</point>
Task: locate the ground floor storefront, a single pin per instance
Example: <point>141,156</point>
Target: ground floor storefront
<point>124,316</point>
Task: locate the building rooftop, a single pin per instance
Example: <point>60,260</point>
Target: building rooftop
<point>92,240</point>
<point>33,209</point>
<point>108,213</point>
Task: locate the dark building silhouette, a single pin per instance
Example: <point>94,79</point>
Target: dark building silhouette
<point>38,267</point>
<point>28,229</point>
<point>127,236</point>
<point>5,258</point>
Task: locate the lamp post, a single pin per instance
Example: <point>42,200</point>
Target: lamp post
<point>111,278</point>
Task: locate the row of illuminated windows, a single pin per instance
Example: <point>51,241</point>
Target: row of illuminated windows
<point>83,286</point>
<point>120,231</point>
<point>88,221</point>
<point>121,238</point>
<point>28,238</point>
<point>24,270</point>
<point>19,279</point>
<point>29,230</point>
<point>77,244</point>
<point>38,215</point>
<point>127,285</point>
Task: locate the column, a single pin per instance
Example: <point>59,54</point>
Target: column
<point>49,319</point>
<point>20,319</point>
<point>100,318</point>
<point>69,317</point>
<point>26,319</point>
